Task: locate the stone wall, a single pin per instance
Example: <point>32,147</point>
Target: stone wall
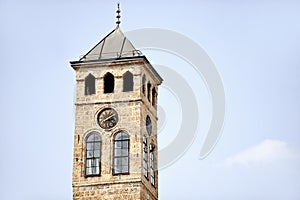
<point>127,191</point>
<point>117,191</point>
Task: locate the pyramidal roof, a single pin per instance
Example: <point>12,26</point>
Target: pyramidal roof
<point>114,45</point>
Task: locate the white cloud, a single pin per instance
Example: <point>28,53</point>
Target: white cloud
<point>264,153</point>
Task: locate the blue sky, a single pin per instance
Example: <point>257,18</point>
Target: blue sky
<point>254,45</point>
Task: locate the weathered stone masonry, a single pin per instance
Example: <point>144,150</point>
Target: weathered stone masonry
<point>132,108</point>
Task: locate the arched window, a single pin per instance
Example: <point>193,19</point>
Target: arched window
<point>149,91</point>
<point>121,153</point>
<point>145,157</point>
<point>153,96</point>
<point>109,83</point>
<point>144,84</point>
<point>127,82</point>
<point>93,153</point>
<point>89,85</point>
<point>152,168</point>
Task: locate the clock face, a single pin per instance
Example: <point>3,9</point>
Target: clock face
<point>148,125</point>
<point>107,118</point>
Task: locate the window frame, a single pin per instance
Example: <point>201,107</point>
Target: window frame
<point>90,85</point>
<point>144,85</point>
<point>106,85</point>
<point>152,164</point>
<point>128,83</point>
<point>149,91</point>
<point>93,158</point>
<point>145,157</point>
<point>120,157</point>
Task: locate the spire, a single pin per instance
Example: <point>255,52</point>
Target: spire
<point>113,46</point>
<point>118,15</point>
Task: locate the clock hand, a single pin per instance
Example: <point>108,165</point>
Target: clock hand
<point>109,117</point>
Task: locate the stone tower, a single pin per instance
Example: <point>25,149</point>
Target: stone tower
<point>115,139</point>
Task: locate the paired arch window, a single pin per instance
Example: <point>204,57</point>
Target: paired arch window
<point>109,83</point>
<point>127,82</point>
<point>121,153</point>
<point>151,91</point>
<point>145,157</point>
<point>152,167</point>
<point>93,155</point>
<point>120,158</point>
<point>89,85</point>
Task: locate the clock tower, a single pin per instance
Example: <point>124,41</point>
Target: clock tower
<point>115,138</point>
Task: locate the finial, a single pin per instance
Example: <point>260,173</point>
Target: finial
<point>118,15</point>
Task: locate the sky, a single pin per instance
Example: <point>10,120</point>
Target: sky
<point>254,46</point>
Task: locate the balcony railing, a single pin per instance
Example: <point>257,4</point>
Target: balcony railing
<point>113,55</point>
